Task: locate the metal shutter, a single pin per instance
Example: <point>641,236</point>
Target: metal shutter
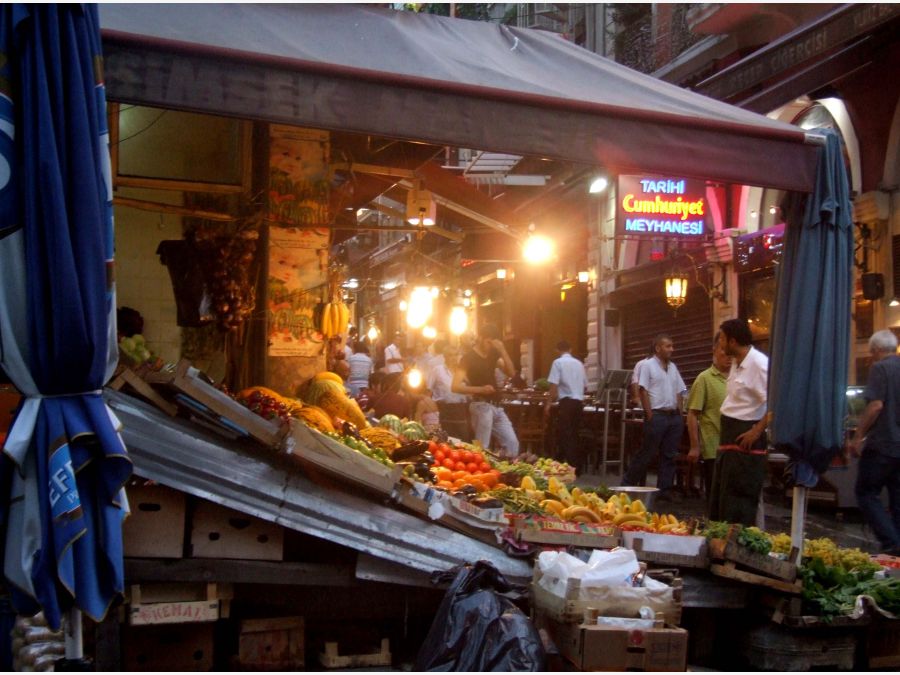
<point>691,330</point>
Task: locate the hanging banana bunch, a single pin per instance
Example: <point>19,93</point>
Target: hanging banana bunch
<point>336,313</point>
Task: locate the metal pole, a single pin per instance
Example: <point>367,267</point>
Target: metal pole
<point>798,516</point>
<point>73,637</point>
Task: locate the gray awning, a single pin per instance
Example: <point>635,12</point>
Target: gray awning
<point>445,81</point>
<point>179,454</point>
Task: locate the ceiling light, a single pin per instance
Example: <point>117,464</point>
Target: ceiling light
<point>421,208</point>
<point>583,277</point>
<point>429,332</point>
<point>894,302</point>
<point>598,185</point>
<point>459,320</point>
<point>501,272</point>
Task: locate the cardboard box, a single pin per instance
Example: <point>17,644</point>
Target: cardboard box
<point>183,647</point>
<point>220,532</point>
<point>272,643</point>
<point>618,649</point>
<point>668,549</point>
<point>556,532</point>
<point>155,528</point>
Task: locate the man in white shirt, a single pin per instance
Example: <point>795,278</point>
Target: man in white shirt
<point>567,383</point>
<point>440,377</point>
<point>741,460</point>
<point>393,357</point>
<point>661,390</point>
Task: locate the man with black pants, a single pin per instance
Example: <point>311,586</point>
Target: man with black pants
<point>879,430</point>
<point>740,469</point>
<point>661,390</point>
<point>567,383</point>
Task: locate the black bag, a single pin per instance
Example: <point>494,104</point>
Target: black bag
<point>479,628</point>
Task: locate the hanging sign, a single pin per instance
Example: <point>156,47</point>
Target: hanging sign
<point>661,208</point>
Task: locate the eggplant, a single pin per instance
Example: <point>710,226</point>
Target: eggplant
<point>410,450</point>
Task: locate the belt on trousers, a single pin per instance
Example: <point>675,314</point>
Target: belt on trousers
<point>737,448</point>
<point>665,411</point>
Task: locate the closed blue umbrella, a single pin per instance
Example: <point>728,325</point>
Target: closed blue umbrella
<point>64,464</point>
<point>811,331</point>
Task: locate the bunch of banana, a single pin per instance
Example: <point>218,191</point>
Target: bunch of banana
<point>335,319</point>
<point>667,524</point>
<point>380,438</point>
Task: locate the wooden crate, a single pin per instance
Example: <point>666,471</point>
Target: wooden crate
<point>651,547</point>
<point>331,659</point>
<point>154,604</point>
<point>766,565</point>
<point>320,452</point>
<point>729,571</point>
<point>272,644</point>
<point>139,384</point>
<point>214,404</point>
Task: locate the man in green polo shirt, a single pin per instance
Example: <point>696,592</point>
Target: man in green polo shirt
<point>703,417</point>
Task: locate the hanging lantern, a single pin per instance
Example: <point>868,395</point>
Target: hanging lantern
<point>676,290</point>
<point>459,320</point>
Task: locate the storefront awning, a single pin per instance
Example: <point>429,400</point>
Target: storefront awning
<point>439,80</point>
<point>180,455</point>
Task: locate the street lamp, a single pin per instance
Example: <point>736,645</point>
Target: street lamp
<point>676,290</point>
<point>537,249</point>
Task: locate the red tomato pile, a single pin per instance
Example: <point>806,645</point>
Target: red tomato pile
<point>456,467</point>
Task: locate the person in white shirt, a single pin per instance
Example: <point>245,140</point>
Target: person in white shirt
<point>361,368</point>
<point>567,384</point>
<point>440,377</point>
<point>741,462</point>
<point>393,357</point>
<point>661,394</point>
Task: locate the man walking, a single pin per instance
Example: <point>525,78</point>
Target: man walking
<point>474,376</point>
<point>393,357</point>
<point>567,383</point>
<point>660,391</point>
<point>879,431</point>
<point>704,414</point>
<point>741,459</point>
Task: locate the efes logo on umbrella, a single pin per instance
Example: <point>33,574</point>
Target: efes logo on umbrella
<point>662,208</point>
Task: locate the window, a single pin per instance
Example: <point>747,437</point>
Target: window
<point>175,150</point>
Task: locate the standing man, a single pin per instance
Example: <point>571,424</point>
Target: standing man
<point>440,377</point>
<point>741,459</point>
<point>475,376</point>
<point>393,357</point>
<point>567,383</point>
<point>879,430</point>
<point>704,413</point>
<point>660,390</point>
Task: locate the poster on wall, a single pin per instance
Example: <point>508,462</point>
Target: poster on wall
<point>662,208</point>
<point>298,216</point>
<point>298,262</point>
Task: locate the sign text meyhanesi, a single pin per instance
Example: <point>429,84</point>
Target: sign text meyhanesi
<point>658,207</point>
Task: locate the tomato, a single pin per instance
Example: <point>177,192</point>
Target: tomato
<point>433,447</point>
<point>439,456</point>
<point>454,455</point>
<point>496,472</point>
<point>449,463</point>
<point>472,467</point>
<point>484,467</point>
<point>443,447</point>
<point>465,456</point>
<point>460,466</point>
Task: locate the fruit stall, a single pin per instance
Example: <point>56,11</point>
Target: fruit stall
<point>410,504</point>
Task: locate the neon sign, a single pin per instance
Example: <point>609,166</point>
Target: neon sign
<point>656,207</point>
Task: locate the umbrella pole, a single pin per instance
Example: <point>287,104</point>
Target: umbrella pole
<point>798,516</point>
<point>73,637</point>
